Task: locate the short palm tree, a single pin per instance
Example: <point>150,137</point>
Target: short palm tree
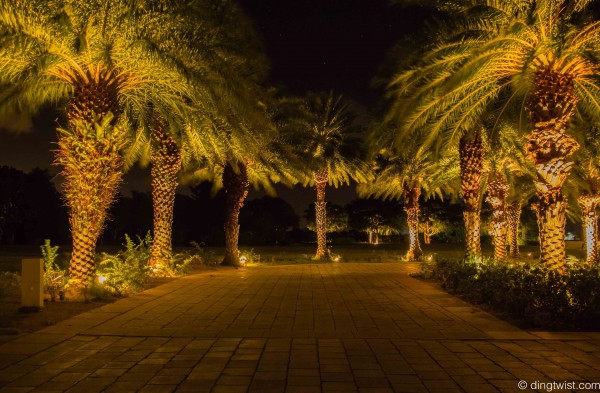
<point>99,58</point>
<point>506,162</point>
<point>321,129</point>
<point>587,177</point>
<point>540,53</point>
<point>405,175</point>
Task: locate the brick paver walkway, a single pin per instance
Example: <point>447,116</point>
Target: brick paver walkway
<point>308,328</point>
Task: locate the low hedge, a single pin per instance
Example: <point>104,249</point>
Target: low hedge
<point>530,292</point>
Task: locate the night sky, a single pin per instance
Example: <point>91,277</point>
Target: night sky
<point>312,45</point>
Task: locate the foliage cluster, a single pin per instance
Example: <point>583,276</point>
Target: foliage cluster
<point>56,280</point>
<point>533,292</point>
<point>128,270</point>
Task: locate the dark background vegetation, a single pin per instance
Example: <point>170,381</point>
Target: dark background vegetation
<point>31,210</point>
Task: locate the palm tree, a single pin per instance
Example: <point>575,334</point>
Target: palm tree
<point>497,190</point>
<point>406,174</point>
<point>252,153</point>
<point>166,162</point>
<point>223,58</point>
<point>540,53</point>
<point>521,191</point>
<point>587,177</point>
<point>321,128</point>
<point>100,59</point>
<point>471,154</point>
<point>506,162</point>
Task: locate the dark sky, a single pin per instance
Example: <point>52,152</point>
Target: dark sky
<point>330,44</point>
<point>312,44</point>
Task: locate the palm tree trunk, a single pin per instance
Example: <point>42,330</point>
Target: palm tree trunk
<point>588,204</point>
<point>321,177</point>
<point>166,162</point>
<point>551,107</point>
<point>513,215</point>
<point>426,232</point>
<point>497,194</point>
<point>471,169</point>
<point>411,207</point>
<point>236,186</point>
<point>89,153</point>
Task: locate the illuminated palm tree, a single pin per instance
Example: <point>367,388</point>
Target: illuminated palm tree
<point>406,175</point>
<point>100,59</point>
<point>251,153</point>
<point>321,128</point>
<point>506,163</point>
<point>539,53</point>
<point>587,179</point>
<point>224,59</point>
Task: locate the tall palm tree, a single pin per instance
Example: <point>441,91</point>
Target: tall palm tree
<point>224,59</point>
<point>99,58</point>
<point>471,154</point>
<point>406,174</point>
<point>321,128</point>
<point>540,53</point>
<point>252,153</point>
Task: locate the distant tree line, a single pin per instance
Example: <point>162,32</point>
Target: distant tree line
<point>31,210</point>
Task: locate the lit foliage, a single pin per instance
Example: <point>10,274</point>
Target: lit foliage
<point>540,54</point>
<point>224,122</point>
<point>128,270</point>
<point>101,58</point>
<point>55,278</point>
<point>431,226</point>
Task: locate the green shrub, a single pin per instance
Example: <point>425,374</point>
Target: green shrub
<point>126,271</point>
<point>10,284</point>
<point>184,261</point>
<point>56,280</point>
<point>249,256</point>
<point>531,292</point>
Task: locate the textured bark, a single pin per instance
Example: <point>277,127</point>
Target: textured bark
<point>551,107</point>
<point>321,177</point>
<point>236,186</point>
<point>166,162</point>
<point>589,204</point>
<point>411,206</point>
<point>427,232</point>
<point>497,192</point>
<point>513,215</point>
<point>89,153</point>
<point>471,169</point>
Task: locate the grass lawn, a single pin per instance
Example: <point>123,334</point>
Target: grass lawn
<point>10,256</point>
